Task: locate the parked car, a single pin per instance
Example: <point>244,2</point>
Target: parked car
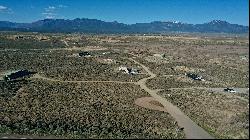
<point>229,90</point>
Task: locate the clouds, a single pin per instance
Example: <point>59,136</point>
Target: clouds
<point>4,9</point>
<point>50,9</point>
<point>51,12</point>
<point>49,15</point>
<point>62,6</point>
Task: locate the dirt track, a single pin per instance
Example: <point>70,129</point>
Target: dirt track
<point>66,43</point>
<point>16,136</point>
<point>221,90</point>
<point>191,129</point>
<point>37,76</point>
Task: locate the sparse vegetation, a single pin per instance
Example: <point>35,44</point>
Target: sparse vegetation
<point>107,110</point>
<point>223,115</point>
<point>81,111</point>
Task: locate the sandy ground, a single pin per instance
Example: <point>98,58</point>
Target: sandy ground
<point>156,102</point>
<point>150,103</point>
<point>191,129</point>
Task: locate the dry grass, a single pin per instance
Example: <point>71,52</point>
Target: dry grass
<point>81,111</point>
<point>223,115</point>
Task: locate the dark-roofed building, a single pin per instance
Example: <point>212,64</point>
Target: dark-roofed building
<point>84,54</point>
<point>194,76</point>
<point>17,74</point>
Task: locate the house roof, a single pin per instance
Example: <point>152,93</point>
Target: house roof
<point>10,72</point>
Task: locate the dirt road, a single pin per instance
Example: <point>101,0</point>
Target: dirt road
<point>37,76</point>
<point>16,136</point>
<point>66,43</point>
<point>191,129</point>
<point>238,90</point>
<point>220,90</point>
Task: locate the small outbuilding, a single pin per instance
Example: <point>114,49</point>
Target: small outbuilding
<point>132,71</point>
<point>84,54</point>
<point>194,76</point>
<point>19,37</point>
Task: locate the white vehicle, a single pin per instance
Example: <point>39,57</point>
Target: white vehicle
<point>230,90</point>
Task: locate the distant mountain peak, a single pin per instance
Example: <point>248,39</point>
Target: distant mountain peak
<point>174,21</point>
<point>99,26</point>
<point>218,22</point>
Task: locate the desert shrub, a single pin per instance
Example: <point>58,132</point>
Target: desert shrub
<point>222,115</point>
<point>106,111</point>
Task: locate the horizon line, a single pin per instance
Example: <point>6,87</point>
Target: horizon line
<point>122,22</point>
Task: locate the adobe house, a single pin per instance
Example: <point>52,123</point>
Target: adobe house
<point>131,71</point>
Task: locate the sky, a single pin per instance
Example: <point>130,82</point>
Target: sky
<point>127,11</point>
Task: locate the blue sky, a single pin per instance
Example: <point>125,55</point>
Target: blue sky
<point>127,11</point>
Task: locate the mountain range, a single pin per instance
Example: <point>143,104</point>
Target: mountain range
<point>86,25</point>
